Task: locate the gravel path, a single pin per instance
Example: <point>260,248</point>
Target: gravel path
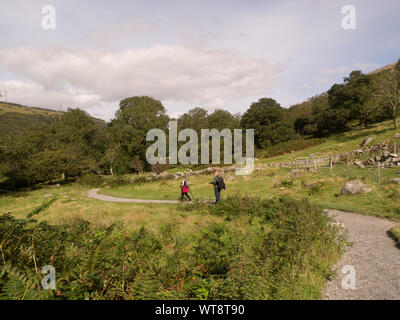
<point>93,194</point>
<point>374,256</point>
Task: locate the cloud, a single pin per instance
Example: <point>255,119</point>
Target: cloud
<point>344,70</point>
<point>88,77</point>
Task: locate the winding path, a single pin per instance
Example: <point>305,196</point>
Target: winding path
<point>93,194</point>
<point>374,256</point>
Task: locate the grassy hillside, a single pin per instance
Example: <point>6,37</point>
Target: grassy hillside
<point>15,117</point>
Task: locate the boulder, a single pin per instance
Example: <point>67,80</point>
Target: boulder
<point>366,141</point>
<point>395,180</point>
<point>354,187</point>
<point>359,164</point>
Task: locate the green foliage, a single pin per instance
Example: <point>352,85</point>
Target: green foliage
<point>395,233</point>
<point>42,207</point>
<point>91,180</point>
<point>135,117</point>
<point>282,249</point>
<point>270,122</point>
<point>289,146</point>
<point>68,147</point>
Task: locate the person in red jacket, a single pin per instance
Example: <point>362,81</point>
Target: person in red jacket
<point>185,189</point>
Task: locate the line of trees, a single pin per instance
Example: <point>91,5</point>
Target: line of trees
<point>362,99</point>
<point>74,144</point>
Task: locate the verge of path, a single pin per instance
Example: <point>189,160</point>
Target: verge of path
<point>94,194</point>
<point>374,256</point>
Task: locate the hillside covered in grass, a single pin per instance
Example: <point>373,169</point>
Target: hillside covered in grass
<point>15,117</point>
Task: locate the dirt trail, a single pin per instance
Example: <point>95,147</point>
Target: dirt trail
<point>374,255</point>
<point>93,194</point>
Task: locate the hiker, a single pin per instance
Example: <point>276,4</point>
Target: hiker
<point>185,189</point>
<point>219,184</point>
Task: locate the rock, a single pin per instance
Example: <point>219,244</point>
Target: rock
<point>230,178</point>
<point>366,141</point>
<point>359,164</point>
<point>48,195</point>
<point>354,187</point>
<point>395,180</point>
<point>397,135</point>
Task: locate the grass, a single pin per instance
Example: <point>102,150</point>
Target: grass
<point>343,142</point>
<point>395,233</point>
<point>323,190</point>
<point>248,249</point>
<point>73,203</point>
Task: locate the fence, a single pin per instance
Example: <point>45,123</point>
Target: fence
<point>348,164</point>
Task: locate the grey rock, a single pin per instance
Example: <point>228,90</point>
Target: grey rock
<point>359,164</point>
<point>366,141</point>
<point>395,180</point>
<point>355,187</point>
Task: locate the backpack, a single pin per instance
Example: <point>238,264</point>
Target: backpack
<point>185,187</point>
<point>221,183</point>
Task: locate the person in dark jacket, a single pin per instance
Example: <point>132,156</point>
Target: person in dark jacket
<point>219,185</point>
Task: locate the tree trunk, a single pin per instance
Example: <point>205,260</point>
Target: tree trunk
<point>395,123</point>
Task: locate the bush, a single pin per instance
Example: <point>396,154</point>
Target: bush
<point>288,146</point>
<point>395,233</point>
<point>90,180</point>
<point>265,249</point>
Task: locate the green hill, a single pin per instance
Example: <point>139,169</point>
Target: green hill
<point>15,117</point>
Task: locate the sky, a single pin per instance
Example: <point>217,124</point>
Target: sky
<point>210,54</point>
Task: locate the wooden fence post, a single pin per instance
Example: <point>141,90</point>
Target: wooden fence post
<point>379,172</point>
<point>330,164</point>
<point>348,166</point>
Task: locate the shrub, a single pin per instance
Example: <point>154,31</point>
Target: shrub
<point>289,146</point>
<point>90,180</point>
<point>265,249</point>
<point>395,233</point>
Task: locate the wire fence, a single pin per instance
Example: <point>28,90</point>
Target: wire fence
<point>350,166</point>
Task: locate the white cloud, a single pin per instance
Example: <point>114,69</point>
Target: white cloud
<point>89,77</point>
<point>345,70</point>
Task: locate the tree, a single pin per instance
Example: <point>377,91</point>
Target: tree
<point>195,119</point>
<point>270,122</point>
<point>134,118</point>
<point>221,119</point>
<point>70,146</point>
<point>388,93</point>
<point>353,96</point>
<point>111,154</point>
